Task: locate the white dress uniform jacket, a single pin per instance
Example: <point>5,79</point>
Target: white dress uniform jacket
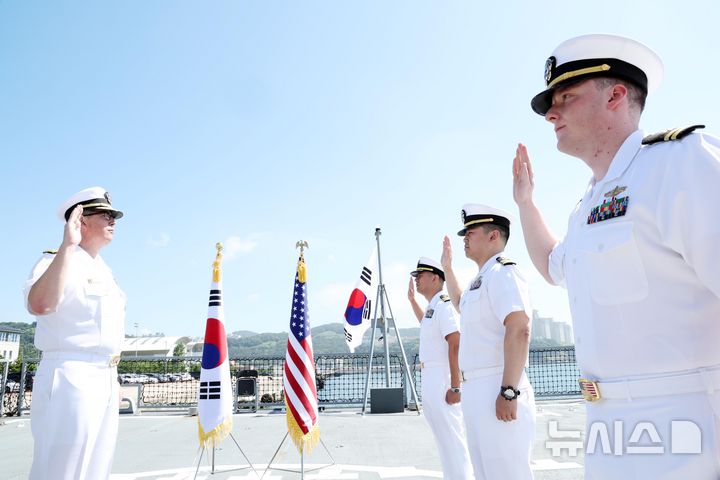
<point>445,420</point>
<point>641,264</point>
<point>498,449</point>
<point>75,391</point>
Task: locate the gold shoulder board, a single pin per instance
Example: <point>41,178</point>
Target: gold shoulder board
<point>505,261</point>
<point>445,298</point>
<point>669,135</point>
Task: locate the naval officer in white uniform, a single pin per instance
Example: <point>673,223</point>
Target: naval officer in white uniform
<point>80,313</point>
<point>439,344</point>
<point>640,262</point>
<point>498,401</point>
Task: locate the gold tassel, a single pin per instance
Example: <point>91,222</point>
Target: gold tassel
<point>302,271</point>
<point>216,263</point>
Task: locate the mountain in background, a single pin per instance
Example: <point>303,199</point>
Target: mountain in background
<point>327,339</point>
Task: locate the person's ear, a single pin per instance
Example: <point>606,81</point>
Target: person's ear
<point>618,94</point>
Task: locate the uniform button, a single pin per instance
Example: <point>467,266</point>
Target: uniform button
<point>574,299</point>
<point>574,260</point>
<point>601,247</point>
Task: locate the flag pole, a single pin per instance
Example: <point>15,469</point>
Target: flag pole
<point>299,389</point>
<point>382,298</point>
<point>381,294</point>
<point>215,391</point>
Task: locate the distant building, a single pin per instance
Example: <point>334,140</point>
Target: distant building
<point>541,327</point>
<point>151,346</point>
<point>546,328</point>
<point>194,348</point>
<point>567,328</point>
<point>9,343</point>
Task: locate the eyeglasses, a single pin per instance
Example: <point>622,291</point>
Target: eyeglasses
<point>109,217</point>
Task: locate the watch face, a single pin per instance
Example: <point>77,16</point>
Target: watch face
<point>509,393</point>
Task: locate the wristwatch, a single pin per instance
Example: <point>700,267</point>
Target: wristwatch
<point>509,393</point>
<point>455,389</point>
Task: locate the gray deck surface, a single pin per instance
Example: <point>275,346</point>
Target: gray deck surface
<point>164,446</point>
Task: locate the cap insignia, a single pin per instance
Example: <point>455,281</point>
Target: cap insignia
<point>462,216</point>
<point>107,197</point>
<point>549,68</point>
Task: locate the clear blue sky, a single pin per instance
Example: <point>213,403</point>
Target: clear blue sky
<point>257,124</point>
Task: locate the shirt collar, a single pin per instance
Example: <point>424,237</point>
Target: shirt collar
<point>486,266</point>
<point>435,299</point>
<point>623,157</point>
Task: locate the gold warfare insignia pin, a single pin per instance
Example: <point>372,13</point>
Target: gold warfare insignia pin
<point>615,192</point>
<point>549,67</point>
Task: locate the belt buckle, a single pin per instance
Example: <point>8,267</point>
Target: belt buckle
<point>114,360</point>
<point>590,389</point>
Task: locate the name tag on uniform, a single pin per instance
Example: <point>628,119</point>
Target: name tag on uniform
<point>429,313</point>
<point>96,288</point>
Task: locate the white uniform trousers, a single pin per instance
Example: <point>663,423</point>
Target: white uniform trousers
<point>74,420</point>
<point>499,450</point>
<point>686,427</point>
<point>446,423</point>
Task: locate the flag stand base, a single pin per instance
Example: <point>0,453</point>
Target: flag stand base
<point>212,465</point>
<point>302,461</point>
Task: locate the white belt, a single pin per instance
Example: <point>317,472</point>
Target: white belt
<point>433,364</point>
<point>96,358</point>
<point>481,372</point>
<point>697,381</point>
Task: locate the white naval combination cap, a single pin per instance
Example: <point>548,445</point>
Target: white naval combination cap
<point>93,200</point>
<point>426,264</point>
<point>599,55</point>
<point>475,214</point>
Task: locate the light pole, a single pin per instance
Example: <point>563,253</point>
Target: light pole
<point>136,338</point>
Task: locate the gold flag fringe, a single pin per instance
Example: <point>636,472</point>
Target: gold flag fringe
<point>303,441</point>
<point>216,435</point>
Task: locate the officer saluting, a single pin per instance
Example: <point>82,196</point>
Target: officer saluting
<point>439,343</point>
<point>639,261</point>
<point>498,401</point>
<point>80,329</point>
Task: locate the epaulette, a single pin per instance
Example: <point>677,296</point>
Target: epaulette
<point>505,261</point>
<point>672,134</point>
<point>445,298</point>
<point>51,252</point>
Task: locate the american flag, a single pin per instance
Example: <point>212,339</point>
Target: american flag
<point>299,381</point>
